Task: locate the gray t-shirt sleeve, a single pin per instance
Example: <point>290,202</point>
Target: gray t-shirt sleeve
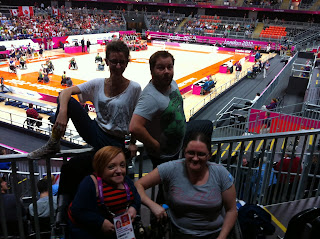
<point>146,107</point>
<point>167,171</point>
<point>224,177</point>
<point>88,89</point>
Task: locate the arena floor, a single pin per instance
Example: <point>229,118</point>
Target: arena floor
<point>194,63</point>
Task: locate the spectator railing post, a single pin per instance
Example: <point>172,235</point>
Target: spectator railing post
<point>297,180</point>
<point>264,187</point>
<point>34,199</point>
<point>306,169</point>
<point>48,165</point>
<point>278,190</point>
<point>18,202</point>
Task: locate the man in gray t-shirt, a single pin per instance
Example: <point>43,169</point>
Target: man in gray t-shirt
<point>158,120</point>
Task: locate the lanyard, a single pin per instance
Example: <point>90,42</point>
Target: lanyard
<point>100,188</point>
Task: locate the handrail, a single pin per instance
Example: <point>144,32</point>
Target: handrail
<point>242,174</point>
<point>218,91</point>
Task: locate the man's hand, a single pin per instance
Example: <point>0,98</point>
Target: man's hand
<point>133,148</point>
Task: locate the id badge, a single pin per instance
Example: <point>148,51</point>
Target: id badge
<point>123,226</point>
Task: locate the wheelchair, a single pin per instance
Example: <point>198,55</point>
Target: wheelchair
<point>73,66</point>
<point>253,73</point>
<point>12,69</point>
<point>22,65</point>
<point>169,231</point>
<point>100,67</point>
<point>32,124</point>
<point>50,69</point>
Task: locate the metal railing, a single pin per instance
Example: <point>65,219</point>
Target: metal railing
<point>32,175</point>
<point>237,123</point>
<point>252,181</point>
<point>45,128</point>
<point>277,85</point>
<point>217,91</point>
<point>295,180</point>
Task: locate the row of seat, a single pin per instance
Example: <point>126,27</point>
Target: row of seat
<point>273,32</point>
<point>20,104</point>
<point>209,17</point>
<point>210,20</point>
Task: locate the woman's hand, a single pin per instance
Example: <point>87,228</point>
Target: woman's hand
<point>61,122</point>
<point>107,226</point>
<point>132,212</point>
<point>158,211</point>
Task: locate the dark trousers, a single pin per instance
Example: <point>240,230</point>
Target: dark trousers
<point>88,129</point>
<point>78,167</point>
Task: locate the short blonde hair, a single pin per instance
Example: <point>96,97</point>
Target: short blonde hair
<point>103,157</point>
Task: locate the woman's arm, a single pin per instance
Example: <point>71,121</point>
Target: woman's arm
<point>148,181</point>
<point>229,203</point>
<point>64,97</point>
<point>84,208</point>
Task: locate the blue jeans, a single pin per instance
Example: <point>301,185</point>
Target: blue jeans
<point>88,129</point>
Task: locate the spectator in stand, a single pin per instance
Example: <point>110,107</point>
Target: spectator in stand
<point>102,195</point>
<point>4,165</point>
<point>273,104</point>
<point>290,163</point>
<point>43,202</point>
<point>249,103</point>
<point>197,192</point>
<point>10,210</point>
<point>109,95</point>
<point>32,113</point>
<point>266,124</point>
<point>258,185</point>
<point>158,120</point>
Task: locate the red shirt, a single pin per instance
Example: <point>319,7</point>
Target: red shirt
<point>32,113</point>
<point>285,168</point>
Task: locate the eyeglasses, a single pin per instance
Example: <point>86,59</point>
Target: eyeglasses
<point>116,62</point>
<point>200,155</point>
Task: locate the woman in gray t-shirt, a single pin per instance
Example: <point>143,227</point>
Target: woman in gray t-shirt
<point>197,192</point>
<point>114,99</point>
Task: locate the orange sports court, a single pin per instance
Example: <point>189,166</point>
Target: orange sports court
<point>192,63</point>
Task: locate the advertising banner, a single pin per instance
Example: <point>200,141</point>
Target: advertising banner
<point>237,43</point>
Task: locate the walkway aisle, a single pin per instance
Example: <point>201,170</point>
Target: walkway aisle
<point>222,83</point>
